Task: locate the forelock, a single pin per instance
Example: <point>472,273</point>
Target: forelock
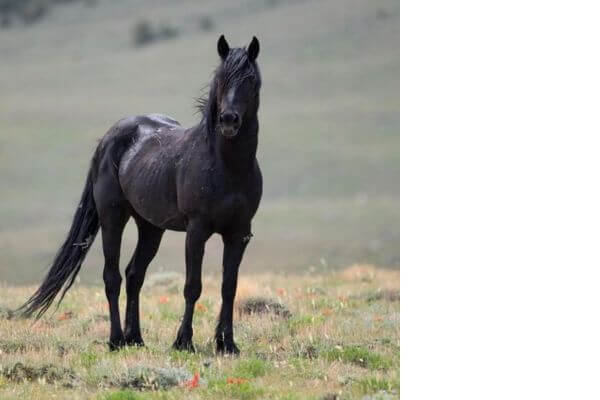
<point>237,67</point>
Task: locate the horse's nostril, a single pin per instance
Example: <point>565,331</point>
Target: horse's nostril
<point>229,118</point>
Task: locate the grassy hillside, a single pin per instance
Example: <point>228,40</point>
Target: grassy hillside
<point>332,335</point>
<point>329,122</point>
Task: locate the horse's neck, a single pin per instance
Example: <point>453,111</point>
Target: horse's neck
<point>238,153</point>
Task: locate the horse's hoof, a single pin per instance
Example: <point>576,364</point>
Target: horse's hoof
<point>116,344</point>
<point>134,341</point>
<point>184,345</point>
<point>227,348</point>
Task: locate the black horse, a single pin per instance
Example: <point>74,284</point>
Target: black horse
<point>200,180</point>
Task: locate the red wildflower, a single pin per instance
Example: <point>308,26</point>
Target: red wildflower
<point>192,383</point>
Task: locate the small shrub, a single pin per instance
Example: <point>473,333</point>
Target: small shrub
<point>33,12</point>
<point>50,373</point>
<point>206,23</point>
<point>10,346</point>
<point>143,33</point>
<point>310,352</point>
<point>259,305</point>
<point>167,32</point>
<point>154,378</point>
<point>305,350</point>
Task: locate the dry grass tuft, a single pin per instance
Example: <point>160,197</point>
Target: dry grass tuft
<point>47,373</point>
<point>154,378</point>
<point>261,305</point>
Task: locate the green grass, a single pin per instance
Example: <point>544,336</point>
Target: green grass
<point>242,391</point>
<point>88,359</point>
<point>123,395</point>
<point>281,358</point>
<point>358,355</point>
<point>374,385</point>
<point>251,368</point>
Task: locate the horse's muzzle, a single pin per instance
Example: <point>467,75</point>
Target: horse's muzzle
<point>230,122</point>
<point>229,131</point>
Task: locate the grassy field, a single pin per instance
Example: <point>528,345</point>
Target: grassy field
<point>321,335</point>
<point>329,143</point>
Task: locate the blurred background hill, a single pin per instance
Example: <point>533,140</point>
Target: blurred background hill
<point>329,138</point>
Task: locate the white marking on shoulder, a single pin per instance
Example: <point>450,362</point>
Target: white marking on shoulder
<point>163,119</point>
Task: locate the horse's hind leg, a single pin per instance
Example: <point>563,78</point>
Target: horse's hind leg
<point>149,238</point>
<point>113,213</point>
<point>112,224</point>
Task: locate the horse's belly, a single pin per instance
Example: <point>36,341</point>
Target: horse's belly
<point>163,217</point>
<point>150,188</point>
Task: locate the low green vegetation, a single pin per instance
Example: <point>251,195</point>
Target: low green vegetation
<point>358,355</point>
<point>251,368</point>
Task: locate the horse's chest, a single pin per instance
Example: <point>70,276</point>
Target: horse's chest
<point>229,209</point>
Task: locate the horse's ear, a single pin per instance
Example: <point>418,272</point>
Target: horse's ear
<point>223,47</point>
<point>253,49</point>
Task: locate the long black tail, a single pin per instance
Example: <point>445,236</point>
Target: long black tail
<point>67,262</point>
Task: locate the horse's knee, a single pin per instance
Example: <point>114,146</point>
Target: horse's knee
<point>191,291</point>
<point>112,281</point>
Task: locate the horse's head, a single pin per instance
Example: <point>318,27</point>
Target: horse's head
<point>237,86</point>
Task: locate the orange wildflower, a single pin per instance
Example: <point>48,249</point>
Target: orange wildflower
<point>192,383</point>
<point>327,311</point>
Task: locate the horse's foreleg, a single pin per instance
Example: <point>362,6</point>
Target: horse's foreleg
<point>234,246</point>
<point>194,251</point>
